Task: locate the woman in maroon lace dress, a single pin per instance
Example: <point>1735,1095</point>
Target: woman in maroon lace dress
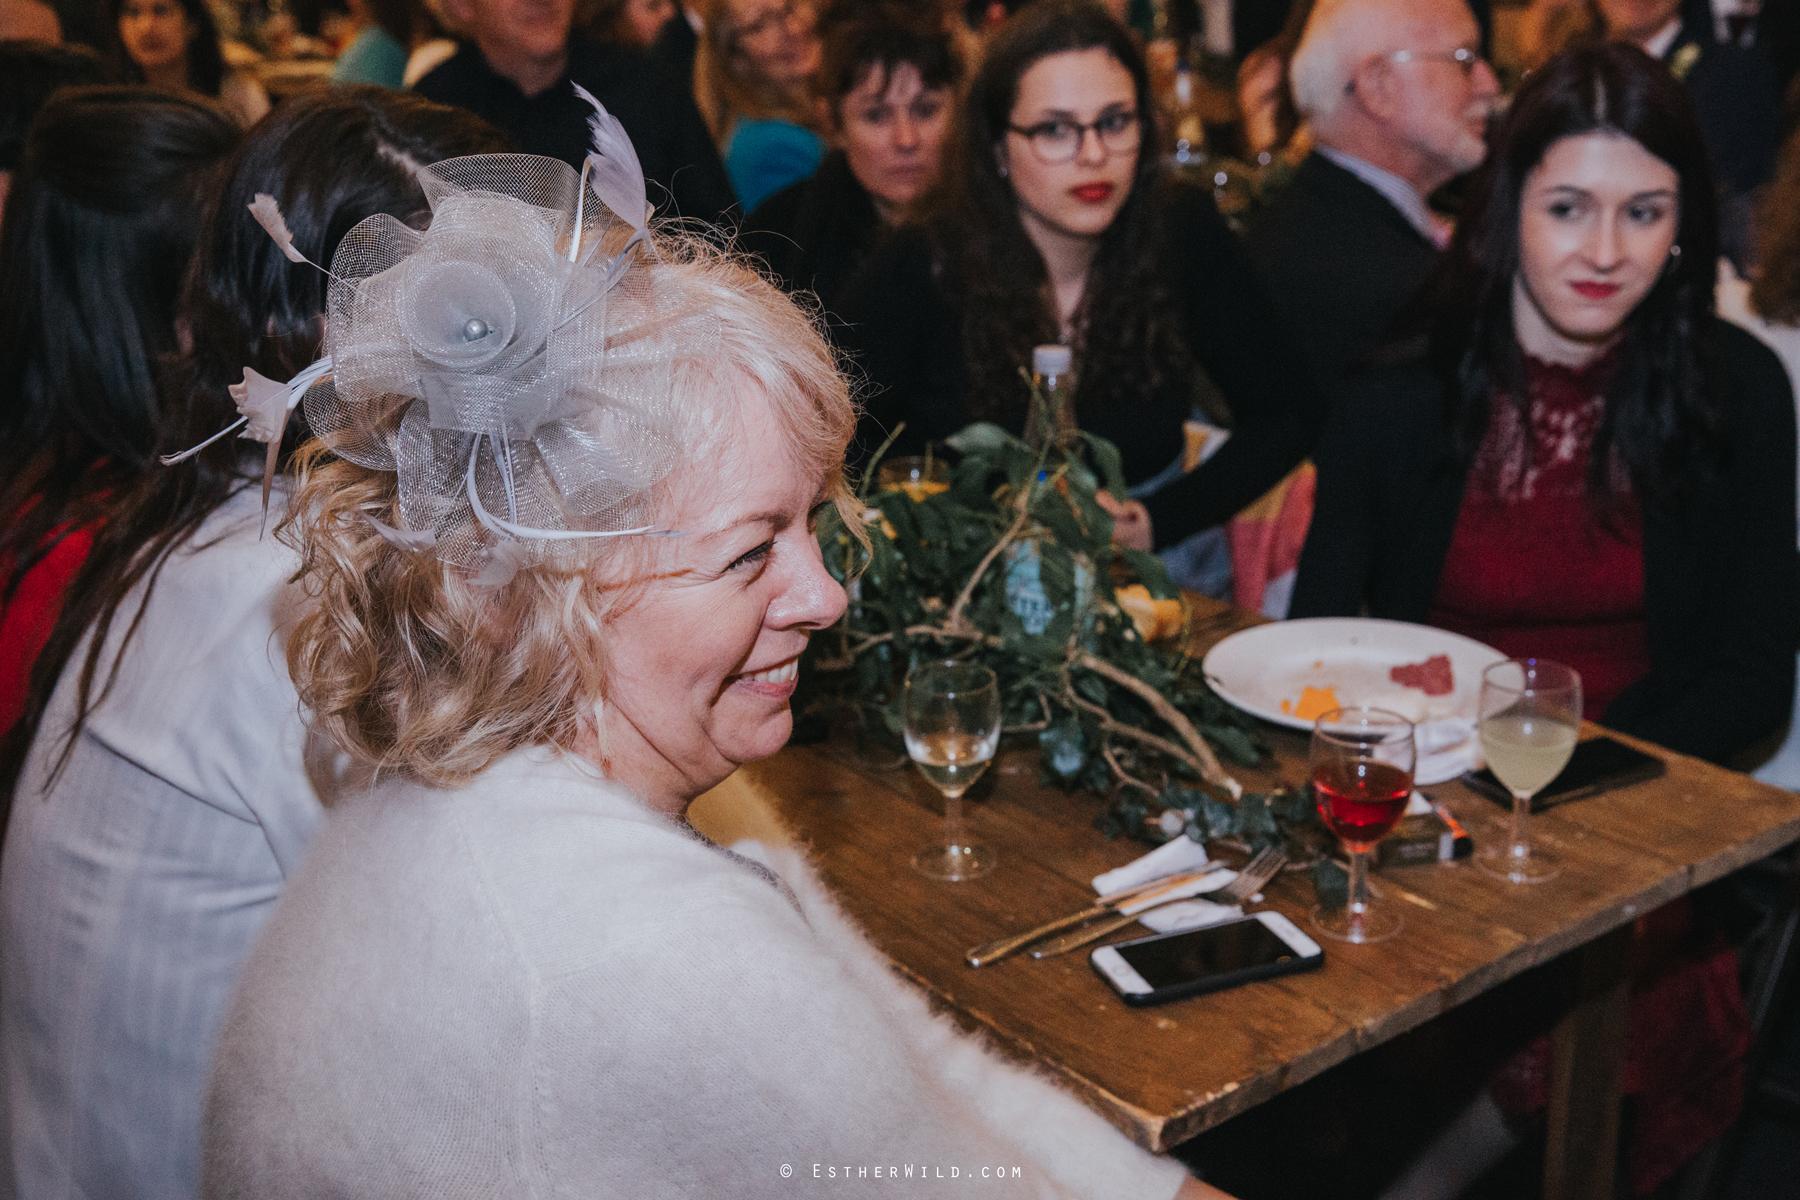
<point>1573,458</point>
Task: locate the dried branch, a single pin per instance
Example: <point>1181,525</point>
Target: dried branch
<point>1202,755</point>
<point>1111,724</point>
<point>1125,776</point>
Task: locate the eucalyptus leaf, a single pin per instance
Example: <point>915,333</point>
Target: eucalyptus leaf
<point>935,581</point>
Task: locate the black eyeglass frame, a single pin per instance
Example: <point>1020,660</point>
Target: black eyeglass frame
<point>1133,124</point>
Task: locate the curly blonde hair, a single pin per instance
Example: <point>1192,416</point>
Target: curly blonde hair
<point>412,668</point>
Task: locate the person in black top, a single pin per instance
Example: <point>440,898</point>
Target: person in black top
<point>677,44</point>
<point>517,70</point>
<point>1061,227</point>
<point>890,82</point>
<point>1574,457</point>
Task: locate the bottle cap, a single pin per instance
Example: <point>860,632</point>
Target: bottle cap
<point>1052,360</point>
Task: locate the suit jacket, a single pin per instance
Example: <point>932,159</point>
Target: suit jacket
<point>1721,575</point>
<point>1340,260</point>
<point>677,153</point>
<point>1737,97</point>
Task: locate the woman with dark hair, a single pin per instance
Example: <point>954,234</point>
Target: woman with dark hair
<point>1060,226</point>
<point>166,792</point>
<point>1579,461</point>
<point>29,72</point>
<point>889,87</point>
<point>101,224</point>
<point>174,44</point>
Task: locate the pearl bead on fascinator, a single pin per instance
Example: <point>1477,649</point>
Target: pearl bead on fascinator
<point>512,364</point>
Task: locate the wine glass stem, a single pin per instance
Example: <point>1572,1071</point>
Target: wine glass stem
<point>953,820</point>
<point>1520,846</point>
<point>1359,887</point>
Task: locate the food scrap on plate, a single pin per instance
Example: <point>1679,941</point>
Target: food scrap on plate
<point>1434,676</point>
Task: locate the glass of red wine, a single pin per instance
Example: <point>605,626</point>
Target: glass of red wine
<point>1362,777</point>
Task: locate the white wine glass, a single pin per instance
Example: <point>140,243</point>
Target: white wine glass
<point>952,725</point>
<point>1530,714</point>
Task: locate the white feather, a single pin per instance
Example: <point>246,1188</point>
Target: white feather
<point>614,172</point>
<point>268,214</point>
<point>413,541</point>
<point>500,563</point>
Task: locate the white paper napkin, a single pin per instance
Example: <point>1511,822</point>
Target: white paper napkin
<point>1447,748</point>
<point>1174,856</point>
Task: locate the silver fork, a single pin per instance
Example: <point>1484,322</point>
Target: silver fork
<point>1249,881</point>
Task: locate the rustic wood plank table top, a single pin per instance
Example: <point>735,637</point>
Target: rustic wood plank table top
<point>1167,1073</point>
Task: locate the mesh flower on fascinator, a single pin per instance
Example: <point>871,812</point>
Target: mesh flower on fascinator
<point>512,364</point>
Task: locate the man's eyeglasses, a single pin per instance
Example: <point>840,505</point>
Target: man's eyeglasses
<point>1462,56</point>
<point>1060,140</point>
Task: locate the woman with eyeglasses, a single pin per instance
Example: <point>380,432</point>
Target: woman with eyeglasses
<point>1060,226</point>
<point>753,77</point>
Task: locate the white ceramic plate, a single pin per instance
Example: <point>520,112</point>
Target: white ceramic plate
<point>1256,669</point>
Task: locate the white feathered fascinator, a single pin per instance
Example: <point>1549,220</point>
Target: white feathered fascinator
<point>508,363</point>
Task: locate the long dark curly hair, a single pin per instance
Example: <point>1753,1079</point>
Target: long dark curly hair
<point>1127,339</point>
<point>1664,416</point>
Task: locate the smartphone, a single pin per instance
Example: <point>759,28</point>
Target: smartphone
<point>1597,764</point>
<point>1169,966</point>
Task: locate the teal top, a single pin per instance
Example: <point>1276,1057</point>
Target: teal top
<point>762,156</point>
<point>373,56</point>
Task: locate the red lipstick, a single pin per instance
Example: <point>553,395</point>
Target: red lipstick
<point>1595,290</point>
<point>1092,193</point>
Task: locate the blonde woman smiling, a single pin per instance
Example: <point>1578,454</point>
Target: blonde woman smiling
<point>511,967</point>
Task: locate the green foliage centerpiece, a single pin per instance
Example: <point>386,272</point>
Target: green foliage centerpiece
<point>1012,563</point>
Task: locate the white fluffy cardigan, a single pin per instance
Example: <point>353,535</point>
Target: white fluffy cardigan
<point>536,986</point>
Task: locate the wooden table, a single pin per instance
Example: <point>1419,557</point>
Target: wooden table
<point>1165,1074</point>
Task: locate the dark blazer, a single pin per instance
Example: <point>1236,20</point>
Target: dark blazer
<point>1737,97</point>
<point>903,328</point>
<point>1721,575</point>
<point>675,47</point>
<point>679,159</point>
<point>1340,259</point>
<point>816,234</point>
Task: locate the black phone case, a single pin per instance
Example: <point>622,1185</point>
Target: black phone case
<point>1214,983</point>
<point>1636,767</point>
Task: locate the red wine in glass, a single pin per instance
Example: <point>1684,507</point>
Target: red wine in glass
<point>1362,770</point>
<point>1360,800</point>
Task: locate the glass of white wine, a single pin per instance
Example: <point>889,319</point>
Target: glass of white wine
<point>1530,714</point>
<point>952,725</point>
